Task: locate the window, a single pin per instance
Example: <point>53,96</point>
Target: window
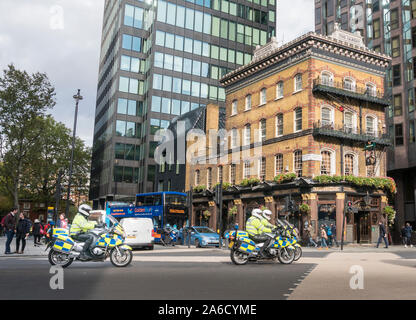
<point>370,124</point>
<point>298,82</point>
<point>232,173</point>
<point>262,127</point>
<point>394,19</point>
<point>247,134</point>
<point>326,117</point>
<point>220,174</point>
<point>279,90</point>
<point>298,119</point>
<point>327,163</point>
<point>397,105</point>
<point>248,102</point>
<point>411,99</point>
<point>197,177</point>
<point>413,8</point>
<point>371,89</point>
<point>412,133</point>
<point>376,28</point>
<point>297,155</point>
<point>327,79</point>
<point>279,125</point>
<point>278,161</point>
<point>234,138</point>
<point>396,75</point>
<point>349,84</point>
<point>262,169</point>
<point>349,122</point>
<point>234,108</point>
<point>246,169</point>
<point>263,96</point>
<point>349,167</point>
<point>395,47</point>
<point>398,134</point>
<point>209,178</point>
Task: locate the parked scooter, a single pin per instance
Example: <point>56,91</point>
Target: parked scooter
<point>244,249</point>
<point>108,242</point>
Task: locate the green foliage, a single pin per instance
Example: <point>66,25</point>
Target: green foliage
<point>304,208</point>
<point>250,182</point>
<point>200,188</point>
<point>232,211</point>
<point>383,183</point>
<point>225,185</point>
<point>284,177</point>
<point>206,214</point>
<point>390,214</point>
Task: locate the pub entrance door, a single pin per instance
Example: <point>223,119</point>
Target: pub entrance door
<point>363,227</point>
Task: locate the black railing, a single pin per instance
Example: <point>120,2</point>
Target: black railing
<point>326,128</point>
<point>347,88</point>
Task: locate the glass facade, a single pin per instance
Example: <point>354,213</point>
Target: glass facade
<point>160,60</point>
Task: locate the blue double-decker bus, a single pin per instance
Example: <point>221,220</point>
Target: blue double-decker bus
<point>163,208</point>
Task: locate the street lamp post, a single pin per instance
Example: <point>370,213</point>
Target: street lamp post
<point>77,98</point>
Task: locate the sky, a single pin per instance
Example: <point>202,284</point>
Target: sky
<point>62,39</point>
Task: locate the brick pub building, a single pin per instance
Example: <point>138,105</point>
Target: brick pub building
<point>314,104</point>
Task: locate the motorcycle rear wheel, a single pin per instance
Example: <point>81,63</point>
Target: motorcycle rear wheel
<point>122,260</point>
<point>298,253</point>
<point>286,255</point>
<point>238,258</point>
<point>59,259</point>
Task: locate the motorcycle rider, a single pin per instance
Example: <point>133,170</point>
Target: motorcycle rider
<point>256,228</point>
<point>79,230</point>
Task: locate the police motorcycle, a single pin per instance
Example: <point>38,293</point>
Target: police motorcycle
<point>292,234</point>
<point>108,242</point>
<point>243,249</point>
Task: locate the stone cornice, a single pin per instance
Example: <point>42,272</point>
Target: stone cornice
<point>307,41</point>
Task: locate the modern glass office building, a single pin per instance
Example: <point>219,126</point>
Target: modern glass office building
<point>388,26</point>
<point>159,60</point>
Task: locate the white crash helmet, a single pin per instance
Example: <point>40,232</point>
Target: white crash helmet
<point>267,214</point>
<point>84,209</point>
<point>257,213</point>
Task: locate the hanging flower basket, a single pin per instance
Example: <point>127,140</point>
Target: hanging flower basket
<point>206,214</point>
<point>232,211</point>
<point>305,208</point>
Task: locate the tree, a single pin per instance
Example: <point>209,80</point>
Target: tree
<point>24,99</point>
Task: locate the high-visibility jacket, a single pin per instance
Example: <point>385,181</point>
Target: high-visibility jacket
<point>81,224</point>
<point>255,227</point>
<point>266,223</point>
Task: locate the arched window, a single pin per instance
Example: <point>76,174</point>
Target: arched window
<point>248,102</point>
<point>263,98</point>
<point>279,90</point>
<point>371,125</point>
<point>297,162</point>
<point>298,82</point>
<point>278,160</point>
<point>279,124</point>
<point>328,162</point>
<point>197,177</point>
<point>327,78</point>
<point>349,84</point>
<point>371,89</point>
<point>298,119</point>
<point>350,166</point>
<point>327,116</point>
<point>247,134</point>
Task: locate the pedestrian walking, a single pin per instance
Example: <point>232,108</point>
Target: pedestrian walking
<point>324,238</point>
<point>334,234</point>
<point>329,234</point>
<point>10,228</point>
<point>22,232</point>
<point>36,231</point>
<point>408,235</point>
<point>382,234</point>
<point>309,231</point>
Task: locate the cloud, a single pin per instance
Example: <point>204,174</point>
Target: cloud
<point>62,39</point>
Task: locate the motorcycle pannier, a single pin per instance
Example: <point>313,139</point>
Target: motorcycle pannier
<point>247,245</point>
<point>63,243</point>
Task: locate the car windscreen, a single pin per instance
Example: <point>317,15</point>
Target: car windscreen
<point>204,230</point>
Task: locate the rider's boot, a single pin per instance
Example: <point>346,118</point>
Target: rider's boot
<point>84,256</point>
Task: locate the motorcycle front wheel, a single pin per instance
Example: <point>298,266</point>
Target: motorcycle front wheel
<point>286,255</point>
<point>59,259</point>
<point>121,258</point>
<point>298,253</point>
<point>238,257</point>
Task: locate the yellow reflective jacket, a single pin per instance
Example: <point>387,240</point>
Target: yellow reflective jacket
<point>266,223</point>
<point>81,224</point>
<point>255,226</point>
